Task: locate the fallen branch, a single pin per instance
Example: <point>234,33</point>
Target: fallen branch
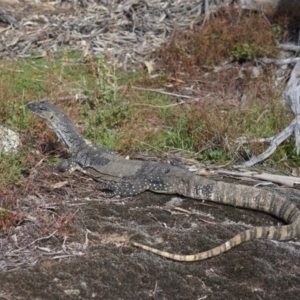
<point>279,62</point>
<point>160,106</point>
<point>289,181</point>
<point>276,141</point>
<point>205,9</point>
<point>289,47</point>
<point>292,96</point>
<point>36,240</point>
<point>65,98</point>
<point>6,18</point>
<point>259,140</point>
<point>160,91</point>
<point>291,86</point>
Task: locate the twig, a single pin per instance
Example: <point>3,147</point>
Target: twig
<point>39,239</point>
<point>66,256</point>
<point>156,220</point>
<point>276,141</point>
<point>71,97</point>
<point>206,12</point>
<point>161,92</point>
<point>6,18</point>
<point>279,62</point>
<point>259,140</point>
<point>159,106</point>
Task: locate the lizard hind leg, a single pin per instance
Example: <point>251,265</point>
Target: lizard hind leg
<point>124,188</point>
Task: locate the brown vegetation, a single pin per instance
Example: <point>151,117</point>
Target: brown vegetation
<point>229,35</point>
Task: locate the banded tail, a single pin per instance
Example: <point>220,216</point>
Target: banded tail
<point>245,197</point>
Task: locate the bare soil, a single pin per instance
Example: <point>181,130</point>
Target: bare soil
<point>89,255</point>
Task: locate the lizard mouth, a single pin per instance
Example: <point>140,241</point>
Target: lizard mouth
<point>38,108</point>
<point>32,106</point>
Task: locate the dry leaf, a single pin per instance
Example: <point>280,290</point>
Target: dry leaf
<point>149,67</point>
<point>59,185</point>
<point>181,209</point>
<point>175,79</point>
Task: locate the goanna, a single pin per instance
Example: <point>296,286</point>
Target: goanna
<point>125,177</point>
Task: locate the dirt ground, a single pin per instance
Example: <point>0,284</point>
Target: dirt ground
<point>97,261</point>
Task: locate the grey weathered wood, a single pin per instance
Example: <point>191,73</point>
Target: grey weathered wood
<point>292,96</point>
<point>5,17</point>
<point>289,47</point>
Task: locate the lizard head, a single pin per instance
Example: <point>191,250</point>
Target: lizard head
<point>44,110</point>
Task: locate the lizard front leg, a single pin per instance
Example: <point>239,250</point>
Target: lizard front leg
<point>66,165</point>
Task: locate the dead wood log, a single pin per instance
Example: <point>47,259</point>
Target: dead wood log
<point>7,18</point>
<point>292,97</point>
<point>289,181</point>
<point>258,4</point>
<point>279,62</point>
<point>289,47</point>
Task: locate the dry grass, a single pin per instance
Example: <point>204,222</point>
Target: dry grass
<point>231,34</point>
<point>226,105</point>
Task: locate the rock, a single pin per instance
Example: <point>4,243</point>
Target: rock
<point>9,140</point>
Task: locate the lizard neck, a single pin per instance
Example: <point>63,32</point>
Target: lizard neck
<point>68,134</point>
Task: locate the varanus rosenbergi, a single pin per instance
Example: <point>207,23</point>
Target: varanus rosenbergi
<point>125,177</point>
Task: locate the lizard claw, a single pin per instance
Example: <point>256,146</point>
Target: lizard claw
<point>107,189</point>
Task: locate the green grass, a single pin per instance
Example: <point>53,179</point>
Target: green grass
<point>12,167</point>
<point>126,119</point>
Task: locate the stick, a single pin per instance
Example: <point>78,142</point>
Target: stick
<point>64,98</point>
<point>279,62</point>
<point>277,140</point>
<point>289,47</point>
<point>161,92</point>
<point>289,181</point>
